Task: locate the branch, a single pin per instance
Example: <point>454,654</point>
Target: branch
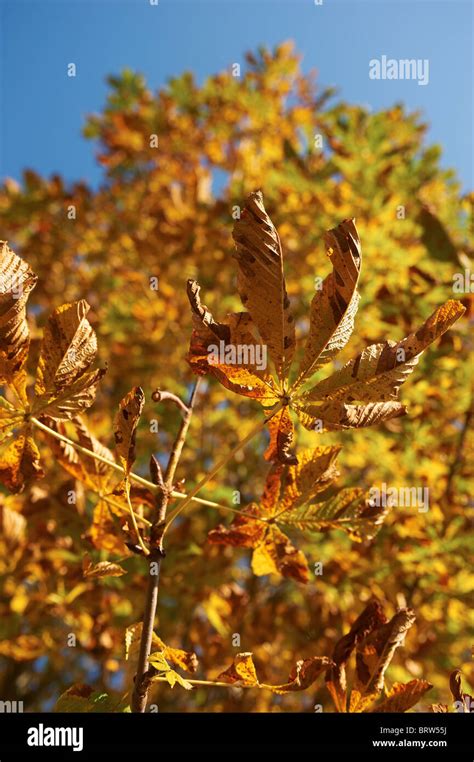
<point>140,692</point>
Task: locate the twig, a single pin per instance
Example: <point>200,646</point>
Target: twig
<point>140,692</point>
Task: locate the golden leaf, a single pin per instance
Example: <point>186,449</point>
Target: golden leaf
<point>101,569</point>
<point>19,460</point>
<point>377,373</point>
<point>276,554</point>
<point>281,432</point>
<point>93,473</point>
<point>241,671</point>
<point>103,531</point>
<point>349,510</point>
<point>233,359</point>
<point>63,386</point>
<point>125,426</point>
<point>16,283</point>
<point>185,660</point>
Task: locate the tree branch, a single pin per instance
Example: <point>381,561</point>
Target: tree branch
<point>141,688</point>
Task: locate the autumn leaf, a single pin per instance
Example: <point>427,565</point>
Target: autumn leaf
<point>125,426</point>
<point>261,281</point>
<point>64,387</point>
<point>19,459</point>
<point>374,641</point>
<point>16,283</point>
<point>303,675</point>
<point>101,569</point>
<point>213,350</point>
<point>377,373</point>
<point>241,672</point>
<point>334,306</point>
<point>185,660</point>
<point>372,379</point>
<point>159,662</point>
<point>349,510</point>
<point>403,696</point>
<point>370,618</point>
<point>288,500</point>
<point>376,650</point>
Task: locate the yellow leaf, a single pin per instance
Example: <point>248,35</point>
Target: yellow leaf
<point>241,671</point>
<point>19,460</point>
<point>16,283</point>
<point>63,386</point>
<point>125,426</point>
<point>101,569</point>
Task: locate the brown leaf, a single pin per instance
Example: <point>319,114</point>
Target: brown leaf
<point>261,281</point>
<point>377,373</point>
<point>282,433</point>
<point>304,674</point>
<point>64,387</point>
<point>125,426</point>
<point>376,650</point>
<point>333,307</point>
<point>16,283</point>
<point>229,351</point>
<point>402,696</point>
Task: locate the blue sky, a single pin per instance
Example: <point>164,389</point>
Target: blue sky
<point>43,110</point>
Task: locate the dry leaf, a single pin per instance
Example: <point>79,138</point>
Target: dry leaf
<point>64,387</point>
<point>125,426</point>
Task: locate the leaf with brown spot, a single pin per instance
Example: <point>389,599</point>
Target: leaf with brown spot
<point>333,307</point>
<point>19,460</point>
<point>349,510</point>
<point>281,432</point>
<point>125,426</point>
<point>261,281</point>
<point>376,650</point>
<point>16,283</point>
<point>377,373</point>
<point>64,386</point>
<point>241,672</point>
<point>215,348</point>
